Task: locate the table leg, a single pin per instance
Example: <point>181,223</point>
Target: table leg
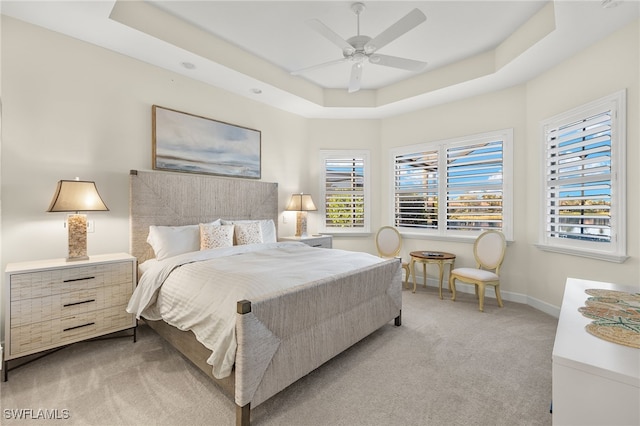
<point>424,275</point>
<point>441,266</point>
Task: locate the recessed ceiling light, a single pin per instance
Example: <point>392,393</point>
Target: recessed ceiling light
<point>609,4</point>
<point>256,91</point>
<point>188,65</point>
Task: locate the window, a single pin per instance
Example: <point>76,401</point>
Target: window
<point>345,191</point>
<point>584,180</point>
<point>454,188</point>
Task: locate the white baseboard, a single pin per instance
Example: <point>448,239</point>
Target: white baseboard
<point>547,308</point>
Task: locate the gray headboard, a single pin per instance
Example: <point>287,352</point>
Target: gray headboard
<point>169,198</point>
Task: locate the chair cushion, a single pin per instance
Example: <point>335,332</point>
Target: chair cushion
<point>475,274</point>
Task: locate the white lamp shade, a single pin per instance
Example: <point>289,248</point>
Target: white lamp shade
<point>301,203</point>
<point>75,196</point>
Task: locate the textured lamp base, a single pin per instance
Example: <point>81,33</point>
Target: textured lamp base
<point>301,224</point>
<point>77,227</point>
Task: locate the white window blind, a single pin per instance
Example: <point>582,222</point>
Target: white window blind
<point>474,186</point>
<point>456,187</point>
<point>584,180</point>
<point>579,179</point>
<point>345,191</point>
<point>416,190</point>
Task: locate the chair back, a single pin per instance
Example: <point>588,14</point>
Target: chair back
<point>388,242</point>
<point>489,250</point>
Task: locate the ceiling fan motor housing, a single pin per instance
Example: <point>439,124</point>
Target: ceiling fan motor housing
<point>358,42</point>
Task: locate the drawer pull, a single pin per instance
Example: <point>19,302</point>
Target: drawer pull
<point>78,279</point>
<point>79,326</point>
<point>78,303</point>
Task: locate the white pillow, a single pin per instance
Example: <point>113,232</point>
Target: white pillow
<point>248,233</point>
<point>269,234</point>
<point>168,241</point>
<point>146,265</point>
<point>215,236</point>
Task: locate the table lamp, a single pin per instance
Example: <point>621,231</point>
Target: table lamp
<point>75,196</point>
<point>301,203</point>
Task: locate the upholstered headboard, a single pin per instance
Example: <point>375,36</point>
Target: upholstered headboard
<point>169,198</point>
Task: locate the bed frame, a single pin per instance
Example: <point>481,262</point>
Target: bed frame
<point>281,337</point>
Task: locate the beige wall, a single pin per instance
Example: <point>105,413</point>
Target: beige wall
<point>495,111</point>
<point>73,109</point>
<point>531,275</point>
<point>603,69</point>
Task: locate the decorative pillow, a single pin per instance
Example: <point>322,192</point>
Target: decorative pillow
<point>215,236</point>
<point>269,234</point>
<point>146,265</point>
<point>168,241</point>
<point>248,233</point>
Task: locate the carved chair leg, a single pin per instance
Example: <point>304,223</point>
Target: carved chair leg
<point>452,286</point>
<point>498,295</point>
<point>480,293</point>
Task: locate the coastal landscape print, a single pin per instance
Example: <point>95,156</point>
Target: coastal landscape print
<point>184,142</point>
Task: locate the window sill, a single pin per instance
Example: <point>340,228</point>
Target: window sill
<point>608,257</point>
<point>451,238</point>
<point>346,233</point>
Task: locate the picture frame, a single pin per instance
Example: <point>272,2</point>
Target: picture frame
<point>189,143</point>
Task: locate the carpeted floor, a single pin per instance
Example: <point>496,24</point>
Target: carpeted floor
<point>448,364</point>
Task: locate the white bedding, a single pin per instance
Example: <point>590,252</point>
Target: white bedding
<point>198,291</point>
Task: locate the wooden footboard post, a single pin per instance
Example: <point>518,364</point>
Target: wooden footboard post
<point>398,320</point>
<point>243,414</point>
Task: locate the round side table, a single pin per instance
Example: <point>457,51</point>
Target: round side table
<point>439,257</point>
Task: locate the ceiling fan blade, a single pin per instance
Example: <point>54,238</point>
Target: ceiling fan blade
<point>329,34</point>
<point>410,21</point>
<point>356,74</point>
<point>396,62</point>
<point>315,67</point>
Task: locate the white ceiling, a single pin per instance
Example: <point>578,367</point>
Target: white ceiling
<point>278,33</point>
<point>245,45</point>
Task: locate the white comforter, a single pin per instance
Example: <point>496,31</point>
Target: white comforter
<point>198,291</point>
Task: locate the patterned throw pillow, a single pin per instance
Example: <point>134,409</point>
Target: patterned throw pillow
<point>248,233</point>
<point>212,236</point>
<point>269,233</point>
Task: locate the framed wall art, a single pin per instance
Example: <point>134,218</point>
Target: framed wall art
<point>189,143</point>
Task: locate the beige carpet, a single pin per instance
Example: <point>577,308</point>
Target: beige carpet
<point>448,364</point>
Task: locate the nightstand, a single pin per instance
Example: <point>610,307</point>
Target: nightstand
<point>53,303</point>
<point>324,241</point>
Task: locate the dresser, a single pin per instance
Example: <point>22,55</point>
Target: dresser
<point>52,303</point>
<point>323,241</point>
<point>595,382</point>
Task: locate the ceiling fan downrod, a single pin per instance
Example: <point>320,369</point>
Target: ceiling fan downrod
<point>358,8</point>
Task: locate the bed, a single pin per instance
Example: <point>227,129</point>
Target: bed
<point>280,333</point>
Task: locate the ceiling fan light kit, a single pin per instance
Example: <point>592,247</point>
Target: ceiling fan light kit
<point>360,47</point>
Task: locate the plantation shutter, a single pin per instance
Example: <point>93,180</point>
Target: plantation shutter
<point>344,192</point>
<point>578,186</point>
<point>416,190</point>
<point>474,186</point>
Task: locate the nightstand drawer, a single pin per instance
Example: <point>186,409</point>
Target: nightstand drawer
<point>57,281</point>
<point>60,331</point>
<point>29,311</point>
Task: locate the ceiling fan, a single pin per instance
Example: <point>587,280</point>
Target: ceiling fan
<point>360,47</point>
